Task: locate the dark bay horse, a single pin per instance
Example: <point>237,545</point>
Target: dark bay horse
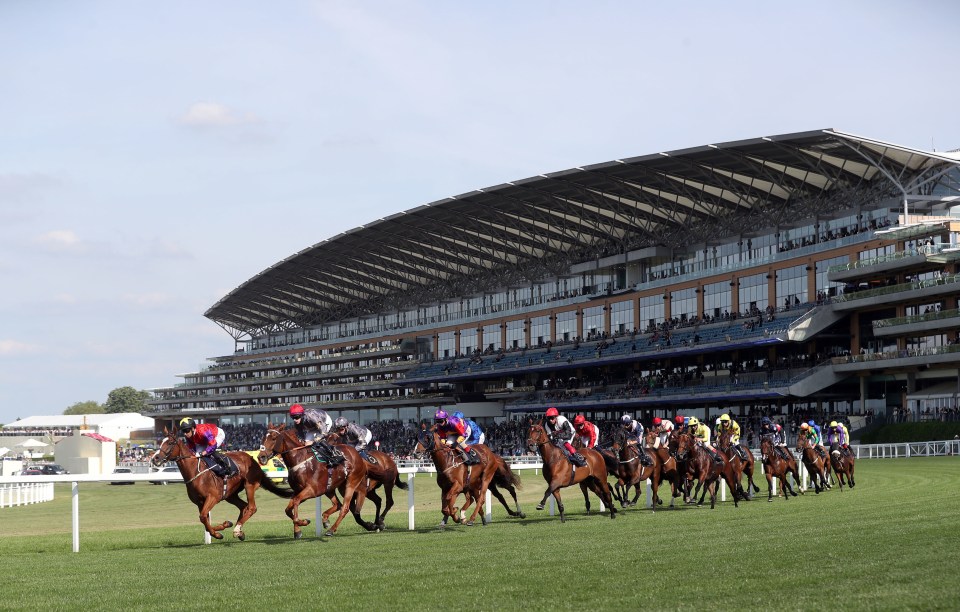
<point>560,473</point>
<point>451,474</point>
<point>669,466</point>
<point>309,477</point>
<point>776,466</point>
<point>708,472</point>
<point>816,465</point>
<point>206,489</point>
<point>634,474</point>
<point>843,465</point>
<point>382,473</point>
<point>725,444</point>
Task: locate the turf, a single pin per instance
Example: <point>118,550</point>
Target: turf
<point>889,544</point>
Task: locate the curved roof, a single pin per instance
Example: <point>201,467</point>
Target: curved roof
<point>522,230</point>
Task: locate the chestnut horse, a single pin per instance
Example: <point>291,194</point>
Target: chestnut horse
<point>560,473</point>
<point>206,489</point>
<point>816,465</point>
<point>842,464</point>
<point>708,472</point>
<point>669,467</point>
<point>725,444</point>
<point>384,472</point>
<point>776,466</point>
<point>489,475</point>
<point>309,477</point>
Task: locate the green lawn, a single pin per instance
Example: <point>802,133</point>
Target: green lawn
<point>890,543</point>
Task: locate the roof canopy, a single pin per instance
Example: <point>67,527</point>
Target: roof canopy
<point>522,231</point>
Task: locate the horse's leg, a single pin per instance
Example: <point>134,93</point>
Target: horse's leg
<point>388,495</point>
<point>377,502</point>
<point>767,473</point>
<point>344,508</point>
<point>546,494</point>
<point>335,506</point>
<point>556,496</point>
<point>246,509</point>
<point>356,504</point>
<point>205,508</point>
<point>586,496</point>
<point>495,491</point>
<point>601,488</point>
<point>293,511</point>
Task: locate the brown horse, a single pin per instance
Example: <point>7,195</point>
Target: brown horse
<point>669,466</point>
<point>451,474</point>
<point>382,473</point>
<point>843,464</point>
<point>206,489</point>
<point>725,444</point>
<point>309,477</point>
<point>613,469</point>
<point>816,465</point>
<point>708,472</point>
<point>559,472</point>
<point>776,466</point>
<point>634,474</point>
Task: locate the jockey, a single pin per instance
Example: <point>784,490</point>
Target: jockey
<point>312,426</point>
<point>769,428</point>
<point>475,435</point>
<point>701,433</point>
<point>837,437</point>
<point>812,436</point>
<point>586,430</point>
<point>351,433</point>
<point>204,440</point>
<point>681,421</point>
<point>561,433</point>
<point>634,431</point>
<point>453,432</point>
<point>663,428</point>
<point>728,425</point>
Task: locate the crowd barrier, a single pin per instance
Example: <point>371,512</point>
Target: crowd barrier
<point>40,488</point>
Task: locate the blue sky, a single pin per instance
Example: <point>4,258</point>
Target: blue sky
<point>153,156</point>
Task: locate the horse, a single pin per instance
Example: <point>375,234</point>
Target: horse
<point>310,477</point>
<point>707,471</point>
<point>382,473</point>
<point>613,469</point>
<point>559,473</point>
<point>633,473</point>
<point>451,474</point>
<point>725,444</point>
<point>669,466</point>
<point>206,489</point>
<point>843,465</point>
<point>816,465</point>
<point>776,466</point>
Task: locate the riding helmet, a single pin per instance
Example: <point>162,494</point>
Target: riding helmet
<point>693,422</point>
<point>295,410</point>
<point>679,419</point>
<point>552,412</point>
<point>187,423</point>
<point>625,419</point>
<point>440,416</point>
<point>804,426</point>
<point>833,423</point>
<point>579,420</point>
<point>724,417</point>
<point>340,422</point>
<point>657,420</point>
<point>458,415</point>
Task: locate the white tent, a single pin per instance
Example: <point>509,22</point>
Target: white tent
<point>31,443</point>
<point>4,450</point>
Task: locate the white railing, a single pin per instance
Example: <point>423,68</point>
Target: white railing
<point>897,450</point>
<point>24,493</point>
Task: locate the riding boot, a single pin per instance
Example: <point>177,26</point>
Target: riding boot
<point>645,459</point>
<point>228,467</point>
<point>366,457</point>
<point>333,458</point>
<point>469,457</point>
<point>716,457</point>
<point>579,460</point>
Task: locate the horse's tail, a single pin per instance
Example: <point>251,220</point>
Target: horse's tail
<point>267,483</point>
<point>505,476</point>
<point>398,482</point>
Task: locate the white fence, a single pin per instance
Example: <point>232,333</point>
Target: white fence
<point>40,488</point>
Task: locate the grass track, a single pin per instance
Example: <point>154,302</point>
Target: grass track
<point>891,543</point>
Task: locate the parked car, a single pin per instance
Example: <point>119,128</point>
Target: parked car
<point>122,470</point>
<point>31,472</point>
<point>167,469</point>
<point>52,469</point>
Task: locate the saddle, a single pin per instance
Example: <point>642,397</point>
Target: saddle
<point>370,458</point>
<point>221,465</point>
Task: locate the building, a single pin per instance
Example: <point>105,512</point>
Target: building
<point>810,274</point>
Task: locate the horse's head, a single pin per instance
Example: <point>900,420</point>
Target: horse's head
<point>802,443</point>
<point>272,445</point>
<point>171,448</point>
<point>684,445</point>
<point>766,444</point>
<point>426,442</point>
<point>537,436</point>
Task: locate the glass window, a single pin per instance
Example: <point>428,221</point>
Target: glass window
<point>716,300</point>
<point>593,321</point>
<point>651,311</point>
<point>566,325</point>
<point>540,330</point>
<point>621,317</point>
<point>683,304</point>
<point>791,287</point>
<point>468,341</point>
<point>491,337</point>
<point>753,294</point>
<point>446,344</point>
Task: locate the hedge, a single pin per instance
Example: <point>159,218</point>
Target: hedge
<point>912,432</point>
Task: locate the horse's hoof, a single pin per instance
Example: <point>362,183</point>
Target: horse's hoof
<point>329,533</point>
<point>522,515</point>
<point>218,535</point>
<point>326,524</point>
<point>469,523</point>
<point>297,535</point>
<point>227,524</point>
<point>241,536</point>
<point>769,499</point>
<point>539,506</point>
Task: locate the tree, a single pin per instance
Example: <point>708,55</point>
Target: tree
<point>87,407</point>
<point>126,399</point>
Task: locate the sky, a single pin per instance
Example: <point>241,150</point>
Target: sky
<point>156,155</point>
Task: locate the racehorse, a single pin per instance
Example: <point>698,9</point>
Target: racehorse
<point>491,473</point>
<point>206,489</point>
<point>842,464</point>
<point>816,465</point>
<point>669,467</point>
<point>707,471</point>
<point>559,472</point>
<point>309,477</point>
<point>613,469</point>
<point>633,473</point>
<point>725,444</point>
<point>776,466</point>
<point>384,472</point>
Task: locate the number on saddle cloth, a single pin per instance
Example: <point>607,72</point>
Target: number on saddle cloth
<point>370,458</point>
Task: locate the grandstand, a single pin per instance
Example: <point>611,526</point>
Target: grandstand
<point>803,274</point>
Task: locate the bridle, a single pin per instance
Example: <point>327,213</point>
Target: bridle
<point>159,459</point>
<point>537,437</point>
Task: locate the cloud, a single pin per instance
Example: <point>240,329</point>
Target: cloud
<point>13,348</point>
<point>60,241</point>
<point>211,114</point>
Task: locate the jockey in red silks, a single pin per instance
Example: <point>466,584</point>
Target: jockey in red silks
<point>453,432</point>
<point>203,440</point>
<point>586,430</point>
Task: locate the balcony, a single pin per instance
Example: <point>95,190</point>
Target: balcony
<point>917,324</point>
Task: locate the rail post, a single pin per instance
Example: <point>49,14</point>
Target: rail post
<point>75,503</point>
<point>411,515</point>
